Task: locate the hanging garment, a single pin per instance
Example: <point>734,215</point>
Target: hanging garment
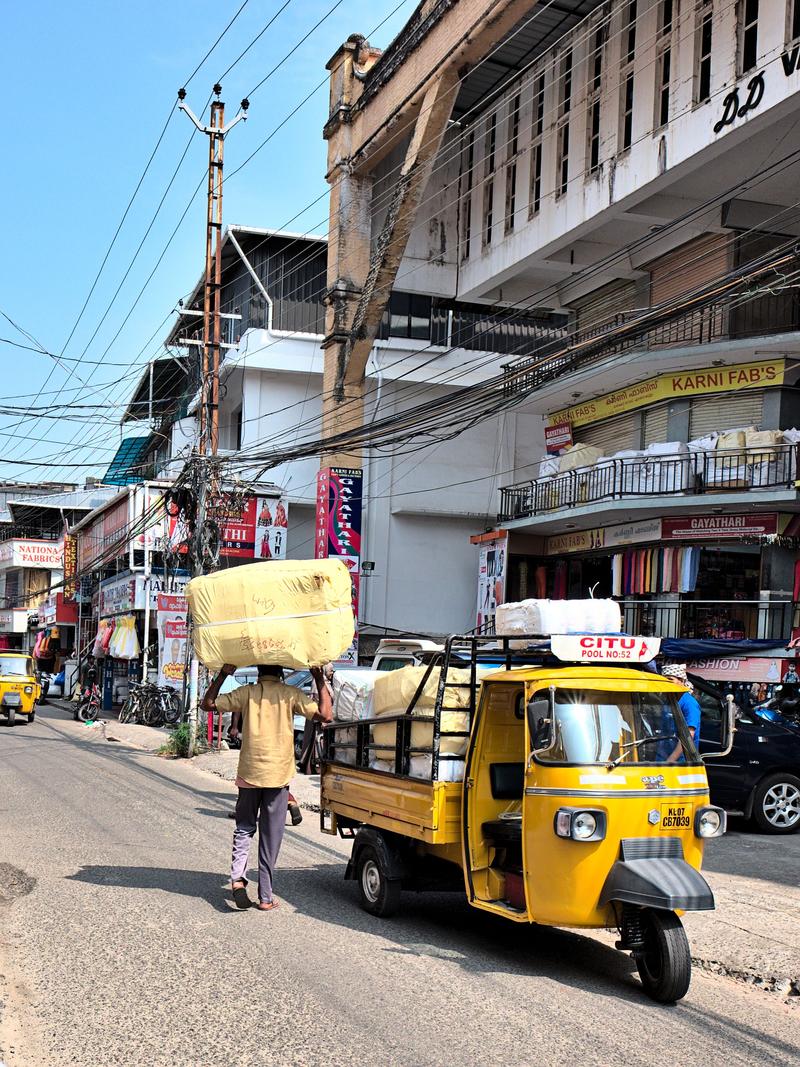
<point>616,574</point>
<point>540,581</point>
<point>694,569</point>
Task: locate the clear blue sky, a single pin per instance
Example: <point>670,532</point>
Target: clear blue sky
<point>89,86</point>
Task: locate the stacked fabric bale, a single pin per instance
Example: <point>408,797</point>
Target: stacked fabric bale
<point>352,702</point>
<point>393,694</point>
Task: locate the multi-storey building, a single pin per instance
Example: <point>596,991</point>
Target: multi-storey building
<point>628,165</point>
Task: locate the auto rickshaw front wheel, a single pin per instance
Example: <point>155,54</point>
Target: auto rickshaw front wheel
<point>664,962</point>
<point>10,716</point>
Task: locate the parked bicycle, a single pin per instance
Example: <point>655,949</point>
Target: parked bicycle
<point>151,705</point>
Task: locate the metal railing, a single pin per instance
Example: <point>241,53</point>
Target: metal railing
<point>11,531</point>
<point>721,321</point>
<point>681,474</point>
<point>727,620</point>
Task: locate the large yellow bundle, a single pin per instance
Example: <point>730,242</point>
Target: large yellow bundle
<point>395,690</point>
<point>291,613</point>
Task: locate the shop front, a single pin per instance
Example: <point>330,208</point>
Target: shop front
<point>714,576</point>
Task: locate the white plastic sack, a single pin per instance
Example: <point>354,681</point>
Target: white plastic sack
<point>450,770</point>
<point>558,617</point>
<point>791,437</point>
<point>579,455</point>
<point>548,466</point>
<point>352,694</point>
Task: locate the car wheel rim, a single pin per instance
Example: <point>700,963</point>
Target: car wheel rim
<point>371,881</point>
<point>781,805</point>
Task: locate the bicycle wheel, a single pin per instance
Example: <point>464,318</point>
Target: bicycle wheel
<point>151,712</point>
<point>171,707</point>
<point>127,713</point>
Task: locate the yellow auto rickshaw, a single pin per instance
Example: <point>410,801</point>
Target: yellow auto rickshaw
<point>19,688</point>
<point>584,803</point>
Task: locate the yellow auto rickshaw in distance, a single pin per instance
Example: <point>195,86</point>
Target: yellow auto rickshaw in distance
<point>19,688</point>
<point>584,804</point>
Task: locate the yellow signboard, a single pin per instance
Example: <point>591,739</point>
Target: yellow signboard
<point>668,386</point>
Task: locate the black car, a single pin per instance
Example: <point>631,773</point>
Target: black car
<point>760,777</point>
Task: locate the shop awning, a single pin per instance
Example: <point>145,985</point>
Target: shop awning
<point>712,648</point>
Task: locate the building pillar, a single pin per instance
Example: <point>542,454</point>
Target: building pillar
<point>776,589</point>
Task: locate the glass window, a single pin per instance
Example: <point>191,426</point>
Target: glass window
<point>627,113</point>
<point>562,161</point>
<point>19,666</point>
<point>511,196</point>
<point>599,726</point>
<point>409,315</point>
<point>629,37</point>
<point>466,203</point>
<point>748,34</point>
<point>594,136</point>
<point>662,89</point>
<point>537,130</point>
<point>703,48</point>
<point>566,83</point>
<point>794,24</point>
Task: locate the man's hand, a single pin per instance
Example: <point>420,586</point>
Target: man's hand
<point>228,668</point>
<point>325,713</point>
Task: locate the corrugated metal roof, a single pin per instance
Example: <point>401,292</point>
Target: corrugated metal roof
<point>542,28</point>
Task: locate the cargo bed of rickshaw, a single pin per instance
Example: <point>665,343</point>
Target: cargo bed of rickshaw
<point>426,809</point>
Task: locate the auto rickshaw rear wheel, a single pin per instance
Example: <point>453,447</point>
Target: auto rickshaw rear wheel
<point>380,894</point>
<point>665,962</point>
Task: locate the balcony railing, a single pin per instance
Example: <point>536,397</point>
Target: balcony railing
<point>685,474</point>
<point>11,531</point>
<point>722,321</point>
<point>732,620</point>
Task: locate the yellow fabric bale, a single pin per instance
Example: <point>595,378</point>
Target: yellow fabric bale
<point>395,690</point>
<point>289,613</point>
<point>422,734</point>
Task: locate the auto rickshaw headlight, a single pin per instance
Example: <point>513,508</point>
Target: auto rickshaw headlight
<point>710,822</point>
<point>579,824</point>
<point>29,689</point>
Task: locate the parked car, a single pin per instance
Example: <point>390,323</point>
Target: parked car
<point>760,777</point>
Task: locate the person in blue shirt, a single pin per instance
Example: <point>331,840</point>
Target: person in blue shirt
<point>687,702</point>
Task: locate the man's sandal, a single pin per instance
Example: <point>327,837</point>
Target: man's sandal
<point>267,905</point>
<point>240,897</point>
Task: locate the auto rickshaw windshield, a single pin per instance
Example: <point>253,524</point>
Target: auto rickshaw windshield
<point>603,726</point>
<point>19,665</point>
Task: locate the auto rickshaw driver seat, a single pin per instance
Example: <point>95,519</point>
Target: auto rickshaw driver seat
<point>507,782</point>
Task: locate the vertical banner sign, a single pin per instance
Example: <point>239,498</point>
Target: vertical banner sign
<point>338,530</point>
<point>70,567</point>
<point>272,524</point>
<point>492,563</point>
<point>172,636</point>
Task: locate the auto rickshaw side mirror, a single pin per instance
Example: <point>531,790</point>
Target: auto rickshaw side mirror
<point>727,730</point>
<point>540,724</point>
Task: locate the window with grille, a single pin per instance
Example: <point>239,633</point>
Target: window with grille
<point>595,85</point>
<point>562,131</point>
<point>663,63</point>
<point>626,75</point>
<point>537,133</point>
<point>511,164</point>
<point>703,39</point>
<point>468,166</point>
<point>489,149</point>
<point>747,30</point>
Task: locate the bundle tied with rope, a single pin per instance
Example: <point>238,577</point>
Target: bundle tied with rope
<point>288,613</point>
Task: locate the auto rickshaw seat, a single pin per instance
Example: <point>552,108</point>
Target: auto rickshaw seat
<point>507,780</point>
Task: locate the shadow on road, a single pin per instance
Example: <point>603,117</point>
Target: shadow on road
<point>769,858</point>
<point>210,886</point>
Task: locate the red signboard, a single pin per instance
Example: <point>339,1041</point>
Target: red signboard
<point>718,527</point>
<point>557,437</point>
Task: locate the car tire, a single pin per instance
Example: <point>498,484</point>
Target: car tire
<point>776,804</point>
<point>380,894</point>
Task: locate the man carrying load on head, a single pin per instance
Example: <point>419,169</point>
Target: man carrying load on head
<point>266,764</point>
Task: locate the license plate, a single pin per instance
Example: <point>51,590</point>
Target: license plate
<point>13,699</point>
<point>676,816</point>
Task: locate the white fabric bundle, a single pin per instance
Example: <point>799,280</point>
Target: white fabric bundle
<point>352,694</point>
<point>558,617</point>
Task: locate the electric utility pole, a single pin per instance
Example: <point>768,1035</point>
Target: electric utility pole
<point>209,372</point>
<point>209,380</point>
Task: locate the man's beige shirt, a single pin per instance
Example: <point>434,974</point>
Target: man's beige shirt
<point>268,707</point>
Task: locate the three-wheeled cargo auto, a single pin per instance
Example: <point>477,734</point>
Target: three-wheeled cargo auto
<point>584,802</point>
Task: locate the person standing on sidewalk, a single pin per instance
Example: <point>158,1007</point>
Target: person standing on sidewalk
<point>266,765</point>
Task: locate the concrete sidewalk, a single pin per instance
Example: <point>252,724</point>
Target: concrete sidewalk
<point>754,934</point>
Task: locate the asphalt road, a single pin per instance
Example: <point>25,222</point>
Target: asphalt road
<point>118,946</point>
